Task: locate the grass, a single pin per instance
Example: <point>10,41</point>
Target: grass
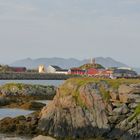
<point>78,82</point>
<point>71,87</point>
<point>136,113</point>
<point>11,85</point>
<point>105,93</point>
<point>115,83</point>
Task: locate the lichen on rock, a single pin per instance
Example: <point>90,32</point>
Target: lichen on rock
<point>84,107</point>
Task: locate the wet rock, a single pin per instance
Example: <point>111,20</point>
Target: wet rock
<point>19,125</point>
<point>4,101</point>
<point>27,105</point>
<point>32,105</point>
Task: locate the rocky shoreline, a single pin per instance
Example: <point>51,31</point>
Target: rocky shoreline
<point>85,108</point>
<point>16,95</point>
<point>23,96</point>
<point>33,76</point>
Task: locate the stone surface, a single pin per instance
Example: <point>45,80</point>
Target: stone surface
<point>14,95</point>
<point>20,125</point>
<point>79,116</point>
<point>129,92</point>
<point>27,90</point>
<point>86,110</point>
<point>40,137</point>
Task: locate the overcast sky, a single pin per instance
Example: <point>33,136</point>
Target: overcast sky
<point>70,28</point>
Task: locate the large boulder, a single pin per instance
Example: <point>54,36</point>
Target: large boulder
<point>5,101</point>
<point>78,112</point>
<point>84,108</point>
<point>21,125</point>
<point>129,92</point>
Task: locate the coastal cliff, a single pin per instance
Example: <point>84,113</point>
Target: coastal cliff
<point>89,108</point>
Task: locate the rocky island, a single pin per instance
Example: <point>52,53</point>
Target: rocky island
<point>18,95</point>
<point>86,108</point>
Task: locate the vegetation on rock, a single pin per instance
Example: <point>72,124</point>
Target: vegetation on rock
<point>26,90</point>
<point>87,107</point>
<point>18,95</point>
<point>88,66</point>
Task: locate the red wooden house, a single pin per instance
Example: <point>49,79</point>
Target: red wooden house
<point>18,69</point>
<point>93,71</point>
<point>106,72</point>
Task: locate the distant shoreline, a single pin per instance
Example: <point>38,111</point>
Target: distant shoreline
<point>34,76</point>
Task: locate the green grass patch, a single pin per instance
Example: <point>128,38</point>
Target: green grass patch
<point>72,86</point>
<point>136,113</point>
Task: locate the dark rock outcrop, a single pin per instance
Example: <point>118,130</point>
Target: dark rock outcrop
<point>31,105</point>
<point>26,90</point>
<point>19,95</point>
<point>20,125</point>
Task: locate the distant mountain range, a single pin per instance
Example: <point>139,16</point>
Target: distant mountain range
<point>66,63</point>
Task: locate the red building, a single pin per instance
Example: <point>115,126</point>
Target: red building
<point>93,71</point>
<point>107,72</point>
<point>18,69</point>
<point>76,71</point>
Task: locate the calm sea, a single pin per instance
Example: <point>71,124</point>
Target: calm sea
<point>15,112</point>
<point>6,112</point>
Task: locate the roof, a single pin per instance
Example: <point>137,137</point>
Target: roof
<point>56,67</point>
<point>77,69</point>
<point>62,70</point>
<point>17,67</point>
<point>125,68</point>
<point>126,71</point>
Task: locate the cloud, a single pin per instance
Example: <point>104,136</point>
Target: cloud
<point>54,27</point>
<point>130,1</point>
<point>16,8</point>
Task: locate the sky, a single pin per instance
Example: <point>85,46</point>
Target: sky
<point>70,29</point>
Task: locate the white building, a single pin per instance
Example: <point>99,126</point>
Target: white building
<point>41,69</point>
<point>56,70</point>
<point>125,68</point>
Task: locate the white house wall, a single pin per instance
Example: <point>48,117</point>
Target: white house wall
<point>50,69</point>
<point>61,72</point>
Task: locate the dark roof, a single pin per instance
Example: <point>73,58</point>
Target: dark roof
<point>76,69</point>
<point>17,67</point>
<point>124,71</point>
<point>63,70</point>
<point>56,67</point>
